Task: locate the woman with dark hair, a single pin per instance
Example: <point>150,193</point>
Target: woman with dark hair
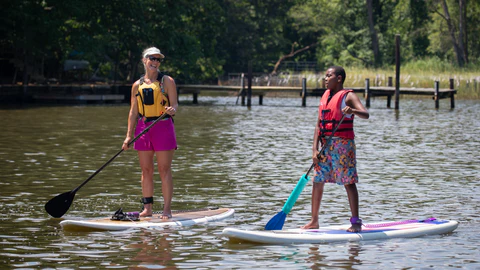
<point>338,163</point>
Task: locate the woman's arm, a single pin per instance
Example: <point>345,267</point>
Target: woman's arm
<point>315,142</point>
<point>132,115</point>
<point>171,89</point>
<point>355,106</point>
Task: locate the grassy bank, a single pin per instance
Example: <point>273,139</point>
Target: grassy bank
<point>420,73</point>
<point>466,82</point>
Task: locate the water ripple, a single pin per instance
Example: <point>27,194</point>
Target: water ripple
<point>413,163</point>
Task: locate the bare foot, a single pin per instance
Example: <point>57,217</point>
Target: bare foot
<point>146,213</point>
<point>147,210</point>
<point>310,225</point>
<point>355,228</point>
<point>166,216</point>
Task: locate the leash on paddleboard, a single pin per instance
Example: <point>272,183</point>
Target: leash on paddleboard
<point>59,205</point>
<point>277,221</point>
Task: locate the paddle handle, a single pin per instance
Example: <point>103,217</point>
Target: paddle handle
<point>119,152</point>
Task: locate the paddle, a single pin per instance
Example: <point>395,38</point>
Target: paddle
<point>276,222</point>
<point>58,205</point>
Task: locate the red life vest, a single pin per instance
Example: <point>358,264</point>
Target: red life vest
<point>330,113</point>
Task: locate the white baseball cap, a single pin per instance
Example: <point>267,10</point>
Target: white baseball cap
<point>152,51</point>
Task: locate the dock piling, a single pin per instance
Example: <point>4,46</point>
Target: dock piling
<point>452,95</point>
<point>397,71</point>
<point>304,92</point>
<point>367,92</point>
<point>389,97</point>
<point>249,89</point>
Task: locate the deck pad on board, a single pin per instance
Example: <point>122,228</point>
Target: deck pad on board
<point>179,218</point>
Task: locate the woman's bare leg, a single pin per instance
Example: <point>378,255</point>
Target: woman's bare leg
<point>164,163</point>
<point>146,164</point>
<point>352,193</point>
<point>317,194</point>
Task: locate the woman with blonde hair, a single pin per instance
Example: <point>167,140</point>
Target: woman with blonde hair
<point>154,95</point>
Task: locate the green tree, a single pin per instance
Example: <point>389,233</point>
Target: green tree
<point>206,38</point>
<point>454,30</point>
<point>255,31</point>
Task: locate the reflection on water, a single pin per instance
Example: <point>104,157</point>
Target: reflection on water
<point>153,249</point>
<point>413,163</point>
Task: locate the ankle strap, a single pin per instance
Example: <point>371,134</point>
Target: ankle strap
<point>147,200</point>
<point>355,220</point>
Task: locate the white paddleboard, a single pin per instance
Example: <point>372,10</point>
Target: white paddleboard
<point>372,231</point>
<point>179,218</point>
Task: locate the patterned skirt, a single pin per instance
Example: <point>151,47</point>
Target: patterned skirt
<point>339,164</point>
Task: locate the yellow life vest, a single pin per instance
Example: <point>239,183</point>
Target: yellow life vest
<point>152,99</point>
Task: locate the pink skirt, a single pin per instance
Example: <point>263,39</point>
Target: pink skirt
<point>161,137</point>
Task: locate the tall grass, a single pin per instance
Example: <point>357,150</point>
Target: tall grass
<point>420,74</point>
<point>423,74</point>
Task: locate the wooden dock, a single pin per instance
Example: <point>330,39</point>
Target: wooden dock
<point>85,98</point>
<point>368,92</point>
<point>64,94</point>
<point>85,94</point>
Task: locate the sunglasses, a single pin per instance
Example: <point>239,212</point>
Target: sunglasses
<point>155,59</point>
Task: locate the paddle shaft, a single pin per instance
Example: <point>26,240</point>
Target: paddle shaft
<point>326,143</point>
<point>119,152</point>
<point>304,179</point>
<point>287,207</point>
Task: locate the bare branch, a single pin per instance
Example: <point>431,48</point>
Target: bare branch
<point>354,55</point>
<point>291,54</point>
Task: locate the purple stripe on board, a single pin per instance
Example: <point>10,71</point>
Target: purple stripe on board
<point>394,223</point>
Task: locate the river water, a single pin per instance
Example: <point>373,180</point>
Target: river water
<point>413,163</point>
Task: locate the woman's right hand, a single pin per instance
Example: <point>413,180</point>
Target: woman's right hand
<point>315,156</point>
<point>125,143</point>
<point>318,158</point>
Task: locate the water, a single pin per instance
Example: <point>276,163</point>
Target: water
<point>413,163</point>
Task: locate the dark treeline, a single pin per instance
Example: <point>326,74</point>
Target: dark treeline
<point>205,39</point>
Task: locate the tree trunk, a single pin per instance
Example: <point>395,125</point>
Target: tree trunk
<point>451,29</point>
<point>25,69</point>
<point>462,29</point>
<point>373,34</point>
<point>116,67</point>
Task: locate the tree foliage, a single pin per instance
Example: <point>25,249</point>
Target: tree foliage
<point>205,39</point>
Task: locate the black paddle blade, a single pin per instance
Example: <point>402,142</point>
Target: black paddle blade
<point>58,206</point>
<point>276,223</point>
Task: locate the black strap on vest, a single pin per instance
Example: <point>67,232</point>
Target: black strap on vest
<point>150,119</point>
<point>159,77</point>
<point>334,122</point>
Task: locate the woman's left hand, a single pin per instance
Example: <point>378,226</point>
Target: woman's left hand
<point>171,111</point>
<point>348,110</point>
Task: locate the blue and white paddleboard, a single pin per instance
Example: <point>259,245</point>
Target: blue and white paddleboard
<point>371,231</point>
<point>179,218</point>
